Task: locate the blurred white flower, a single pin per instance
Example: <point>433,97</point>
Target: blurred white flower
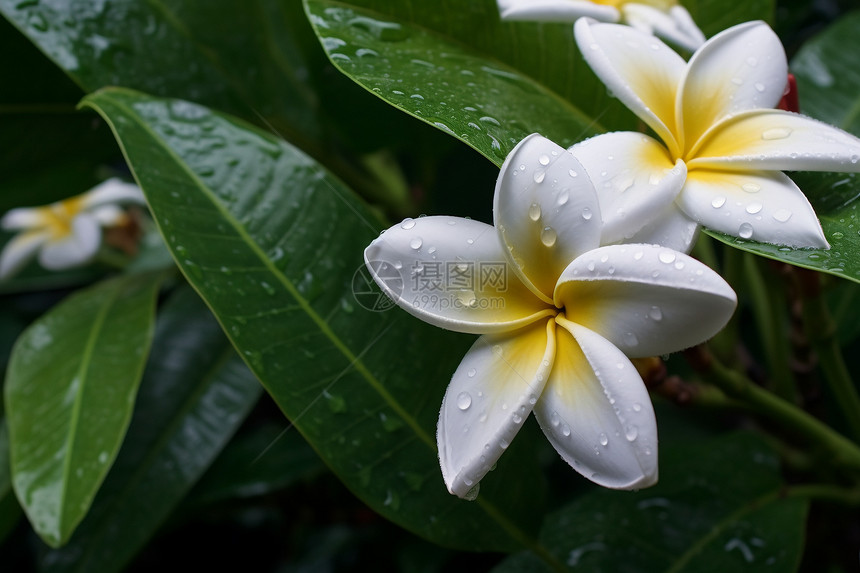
<point>664,18</point>
<point>67,233</point>
<point>559,318</point>
<point>714,115</point>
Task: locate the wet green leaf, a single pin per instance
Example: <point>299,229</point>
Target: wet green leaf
<point>267,460</point>
<point>718,507</point>
<point>195,393</point>
<point>10,511</point>
<point>460,90</point>
<point>273,244</point>
<point>70,390</point>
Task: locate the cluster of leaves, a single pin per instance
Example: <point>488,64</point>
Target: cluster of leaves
<point>141,414</point>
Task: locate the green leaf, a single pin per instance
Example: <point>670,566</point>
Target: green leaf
<point>828,80</point>
<point>10,511</point>
<point>265,461</point>
<point>465,92</point>
<point>195,393</point>
<point>718,507</point>
<point>70,390</point>
<point>273,243</point>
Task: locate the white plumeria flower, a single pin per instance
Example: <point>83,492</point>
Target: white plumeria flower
<point>559,318</point>
<point>664,18</point>
<point>67,233</point>
<point>714,115</point>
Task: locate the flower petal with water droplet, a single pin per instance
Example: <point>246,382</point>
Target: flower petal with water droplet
<point>555,10</point>
<point>589,400</point>
<point>457,277</point>
<point>776,211</point>
<point>541,233</point>
<point>510,374</point>
<point>618,296</point>
<point>634,178</point>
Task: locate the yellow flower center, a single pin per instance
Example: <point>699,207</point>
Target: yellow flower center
<point>57,217</point>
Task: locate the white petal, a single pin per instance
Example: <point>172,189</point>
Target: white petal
<point>664,24</point>
<point>596,412</point>
<point>108,215</point>
<point>452,273</point>
<point>737,70</point>
<point>23,218</point>
<point>492,392</point>
<point>546,210</point>
<point>113,190</point>
<point>75,249</point>
<point>640,70</point>
<point>776,139</point>
<point>672,229</point>
<point>757,205</point>
<point>555,10</point>
<point>18,252</point>
<point>634,178</point>
<point>646,300</point>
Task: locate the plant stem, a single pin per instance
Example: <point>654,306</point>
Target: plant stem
<point>821,330</point>
<point>789,416</point>
<point>850,497</point>
<point>766,307</point>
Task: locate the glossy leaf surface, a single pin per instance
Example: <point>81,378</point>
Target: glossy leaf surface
<point>273,243</point>
<point>195,393</point>
<point>70,390</point>
<point>717,508</point>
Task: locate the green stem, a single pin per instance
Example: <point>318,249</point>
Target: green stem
<point>766,306</point>
<point>826,492</point>
<point>789,416</point>
<point>821,330</point>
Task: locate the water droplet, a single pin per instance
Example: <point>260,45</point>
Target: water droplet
<point>630,339</point>
<point>539,176</point>
<point>472,494</point>
<point>638,255</point>
<point>590,266</point>
<point>737,81</point>
<point>407,224</point>
<point>655,313</point>
<point>776,133</point>
<point>718,202</point>
<point>554,419</point>
<point>631,433</point>
<point>543,160</point>
<point>534,212</point>
<point>517,418</point>
<point>563,197</point>
<point>573,173</point>
<point>464,400</point>
<point>416,243</point>
<point>548,236</point>
<point>471,373</point>
<point>587,214</point>
<point>565,430</point>
<point>666,257</point>
<point>751,187</point>
<point>754,208</point>
<point>760,87</point>
<point>745,231</point>
<point>637,407</point>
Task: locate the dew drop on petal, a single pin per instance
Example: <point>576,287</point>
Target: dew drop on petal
<point>745,231</point>
<point>554,419</point>
<point>631,433</point>
<point>471,373</point>
<point>416,243</point>
<point>563,197</point>
<point>464,400</point>
<point>539,176</point>
<point>760,87</point>
<point>637,407</point>
<point>548,236</point>
<point>776,133</point>
<point>718,202</point>
<point>666,257</point>
<point>572,173</point>
<point>534,212</point>
<point>565,430</point>
<point>751,187</point>
<point>754,208</point>
<point>655,313</point>
<point>543,160</point>
<point>407,224</point>
<point>587,214</point>
<point>604,439</point>
<point>630,339</point>
<point>782,215</point>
